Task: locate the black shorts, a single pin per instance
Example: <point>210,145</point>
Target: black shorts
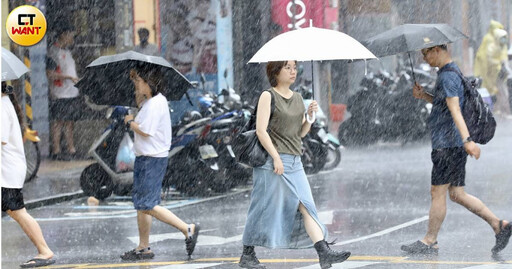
<point>66,109</point>
<point>12,199</point>
<point>449,166</point>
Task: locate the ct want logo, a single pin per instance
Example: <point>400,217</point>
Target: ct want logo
<point>26,25</point>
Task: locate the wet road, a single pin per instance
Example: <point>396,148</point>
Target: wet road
<point>375,201</point>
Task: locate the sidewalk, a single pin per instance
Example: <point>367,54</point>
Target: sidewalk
<point>56,181</point>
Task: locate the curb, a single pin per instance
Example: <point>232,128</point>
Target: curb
<point>53,199</point>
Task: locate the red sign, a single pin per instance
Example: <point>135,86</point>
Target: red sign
<point>295,14</point>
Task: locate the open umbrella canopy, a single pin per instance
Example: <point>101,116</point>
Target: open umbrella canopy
<point>412,37</point>
<point>12,67</point>
<point>311,44</point>
<point>107,81</point>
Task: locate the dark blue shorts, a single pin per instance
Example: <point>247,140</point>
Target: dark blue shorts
<point>148,174</point>
<point>449,166</point>
<point>12,199</point>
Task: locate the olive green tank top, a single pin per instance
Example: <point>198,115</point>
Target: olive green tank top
<point>286,123</point>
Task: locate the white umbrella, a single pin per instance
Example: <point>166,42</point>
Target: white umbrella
<point>312,44</point>
<point>12,67</point>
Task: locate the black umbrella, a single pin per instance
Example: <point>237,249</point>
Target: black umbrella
<point>107,81</point>
<point>412,37</point>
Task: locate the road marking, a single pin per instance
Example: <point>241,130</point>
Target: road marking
<point>344,265</point>
<point>204,240</point>
<point>326,217</point>
<point>191,266</point>
<point>103,215</point>
<point>383,232</point>
<point>491,266</point>
<point>352,262</point>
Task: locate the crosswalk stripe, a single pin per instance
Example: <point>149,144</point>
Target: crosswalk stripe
<point>189,266</point>
<point>343,265</point>
<point>204,240</point>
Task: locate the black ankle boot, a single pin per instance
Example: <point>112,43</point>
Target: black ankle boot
<point>249,260</point>
<point>327,256</point>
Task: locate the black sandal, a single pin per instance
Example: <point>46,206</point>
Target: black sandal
<point>502,237</point>
<point>419,247</point>
<point>141,254</point>
<point>37,262</point>
<point>191,240</point>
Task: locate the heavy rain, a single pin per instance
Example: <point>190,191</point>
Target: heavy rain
<point>256,134</point>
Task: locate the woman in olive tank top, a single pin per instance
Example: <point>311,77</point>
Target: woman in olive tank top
<point>282,212</point>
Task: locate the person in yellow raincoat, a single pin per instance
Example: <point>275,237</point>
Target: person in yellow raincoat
<point>490,56</point>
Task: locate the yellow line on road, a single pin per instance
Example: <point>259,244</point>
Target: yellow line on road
<point>389,259</point>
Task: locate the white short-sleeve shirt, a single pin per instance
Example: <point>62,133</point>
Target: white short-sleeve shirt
<point>63,88</point>
<point>14,167</point>
<point>154,119</point>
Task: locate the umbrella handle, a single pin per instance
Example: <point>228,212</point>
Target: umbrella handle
<point>311,119</point>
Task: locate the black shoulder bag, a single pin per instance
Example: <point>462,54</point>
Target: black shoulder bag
<point>247,147</point>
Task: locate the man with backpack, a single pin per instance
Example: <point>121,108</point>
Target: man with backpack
<point>451,143</point>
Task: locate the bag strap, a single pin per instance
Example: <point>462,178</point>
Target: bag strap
<point>449,69</point>
<point>272,108</point>
<point>459,73</point>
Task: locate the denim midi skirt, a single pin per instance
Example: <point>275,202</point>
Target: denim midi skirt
<point>274,220</point>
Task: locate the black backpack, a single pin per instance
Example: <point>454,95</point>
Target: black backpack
<point>477,114</point>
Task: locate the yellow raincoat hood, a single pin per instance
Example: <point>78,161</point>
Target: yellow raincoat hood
<point>490,55</point>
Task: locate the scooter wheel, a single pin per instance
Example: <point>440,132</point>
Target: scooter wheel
<point>96,182</point>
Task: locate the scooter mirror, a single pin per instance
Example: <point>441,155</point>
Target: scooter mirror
<point>194,83</point>
<point>109,112</point>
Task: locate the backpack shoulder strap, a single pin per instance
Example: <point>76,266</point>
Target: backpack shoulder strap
<point>459,73</point>
<point>448,69</point>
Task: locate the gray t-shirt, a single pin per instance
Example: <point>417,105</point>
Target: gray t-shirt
<point>286,123</point>
<point>442,127</point>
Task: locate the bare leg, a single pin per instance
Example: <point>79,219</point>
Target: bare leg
<point>56,135</point>
<point>475,205</point>
<point>314,231</point>
<point>437,212</point>
<point>166,216</point>
<point>144,223</point>
<point>33,231</point>
<point>68,133</point>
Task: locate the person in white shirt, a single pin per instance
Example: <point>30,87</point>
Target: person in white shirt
<point>144,46</point>
<point>62,76</point>
<point>152,129</point>
<point>14,168</point>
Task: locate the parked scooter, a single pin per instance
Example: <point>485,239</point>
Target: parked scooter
<point>229,117</point>
<point>321,150</point>
<point>100,179</point>
<point>385,110</point>
<point>190,151</point>
<point>187,152</point>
